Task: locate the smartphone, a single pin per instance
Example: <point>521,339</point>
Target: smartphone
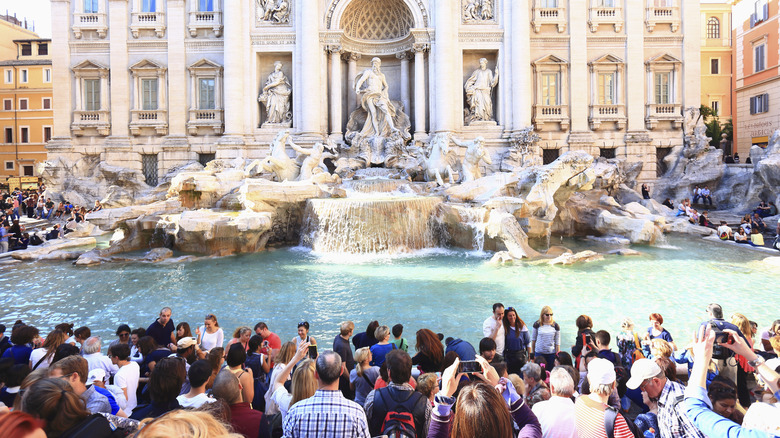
<point>312,351</point>
<point>469,366</point>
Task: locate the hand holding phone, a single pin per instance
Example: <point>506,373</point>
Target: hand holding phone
<point>469,367</point>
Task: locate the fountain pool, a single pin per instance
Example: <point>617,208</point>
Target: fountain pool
<point>448,291</point>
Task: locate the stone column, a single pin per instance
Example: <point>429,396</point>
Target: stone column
<point>578,99</point>
<point>351,59</point>
<point>691,67</point>
<point>405,84</point>
<point>335,90</point>
<point>522,92</point>
<point>419,89</point>
<point>61,72</point>
<point>103,90</point>
<point>308,57</point>
<point>635,68</point>
<point>177,73</point>
<point>119,94</point>
<point>445,53</point>
<point>234,66</point>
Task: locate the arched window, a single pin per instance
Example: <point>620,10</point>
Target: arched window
<point>713,28</point>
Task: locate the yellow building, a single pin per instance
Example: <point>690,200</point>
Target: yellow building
<point>26,116</point>
<point>716,56</point>
<point>12,29</point>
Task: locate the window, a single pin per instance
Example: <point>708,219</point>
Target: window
<point>9,165</point>
<point>663,3</point>
<point>22,104</point>
<point>206,5</point>
<point>607,152</point>
<point>46,103</point>
<point>606,84</point>
<point>148,6</point>
<point>204,159</point>
<point>24,134</point>
<point>43,49</point>
<point>149,94</point>
<point>606,3</point>
<point>550,89</point>
<point>28,170</point>
<point>713,28</point>
<point>759,57</point>
<point>549,155</point>
<point>90,6</point>
<point>714,66</point>
<point>24,76</point>
<point>760,12</point>
<point>9,135</point>
<point>47,75</point>
<point>26,49</point>
<point>9,76</point>
<point>549,3</point>
<point>92,94</point>
<point>8,104</point>
<point>715,105</point>
<point>206,94</point>
<point>759,104</point>
<point>149,167</point>
<point>46,133</point>
<point>662,88</point>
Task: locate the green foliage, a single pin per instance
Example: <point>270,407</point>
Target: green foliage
<point>714,127</point>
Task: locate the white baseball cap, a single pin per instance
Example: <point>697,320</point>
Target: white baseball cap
<point>642,370</point>
<point>601,372</point>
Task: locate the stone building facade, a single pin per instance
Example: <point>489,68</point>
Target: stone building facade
<point>158,83</point>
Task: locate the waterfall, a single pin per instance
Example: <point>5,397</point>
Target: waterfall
<point>476,220</point>
<point>374,185</point>
<point>382,225</point>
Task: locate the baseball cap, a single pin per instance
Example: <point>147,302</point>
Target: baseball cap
<point>601,372</point>
<point>185,342</point>
<point>642,370</point>
<point>96,374</point>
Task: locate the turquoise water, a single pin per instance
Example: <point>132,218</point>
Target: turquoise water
<point>448,291</point>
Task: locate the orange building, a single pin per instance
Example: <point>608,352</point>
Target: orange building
<point>26,116</point>
<point>756,73</point>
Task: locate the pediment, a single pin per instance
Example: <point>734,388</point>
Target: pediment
<point>205,64</point>
<point>550,59</point>
<point>146,64</point>
<point>89,65</point>
<point>607,59</point>
<point>664,58</point>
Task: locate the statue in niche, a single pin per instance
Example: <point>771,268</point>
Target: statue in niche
<point>275,95</point>
<point>475,153</point>
<point>479,88</point>
<point>371,86</point>
<point>314,159</point>
<point>274,11</point>
<point>477,10</point>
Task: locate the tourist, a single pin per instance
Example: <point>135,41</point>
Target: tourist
<point>746,224</point>
<point>657,331</point>
<point>341,344</point>
<point>116,398</point>
<point>736,157</point>
<point>274,342</point>
<point>303,335</point>
<point>97,360</point>
<point>20,338</point>
<point>590,410</point>
<point>722,393</point>
<point>283,357</point>
<point>122,334</point>
<point>398,396</point>
<point>135,353</point>
<point>380,349</point>
<point>645,192</point>
<point>241,336</point>
<point>210,334</point>
<point>763,209</point>
<point>428,386</point>
<point>660,348</point>
<point>259,363</point>
<point>304,383</point>
<point>363,378</point>
<point>756,238</point>
<point>772,331</point>
<point>162,329</point>
<point>724,231</point>
<point>743,368</point>
<point>696,194</point>
<point>5,343</point>
<point>536,390</point>
<point>366,339</point>
<point>198,374</point>
<point>517,345</point>
<point>243,419</point>
<point>493,327</point>
<point>236,356</point>
<point>742,237</point>
<point>705,195</point>
<point>41,357</point>
<point>182,331</point>
<point>398,339</point>
<point>54,233</point>
<point>585,337</point>
<point>668,203</point>
<point>128,375</point>
<point>556,415</point>
<point>430,352</point>
<point>216,358</point>
<point>165,383</point>
<point>704,220</point>
<point>463,349</point>
<point>546,336</point>
<point>20,424</point>
<point>487,349</point>
<point>152,354</point>
<point>334,414</point>
<point>602,347</point>
<point>12,382</point>
<point>75,370</point>
<point>186,424</point>
<point>628,343</point>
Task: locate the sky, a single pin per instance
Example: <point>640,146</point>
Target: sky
<point>37,11</point>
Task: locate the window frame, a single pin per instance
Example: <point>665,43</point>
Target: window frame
<point>8,76</point>
<point>46,75</point>
<point>24,135</point>
<point>759,104</point>
<point>713,28</point>
<point>602,87</point>
<point>45,51</point>
<point>759,59</point>
<point>6,131</point>
<point>90,104</point>
<point>717,60</point>
<point>658,91</point>
<point>213,91</point>
<point>12,167</point>
<point>94,6</point>
<point>24,76</point>
<point>715,104</point>
<point>203,5</point>
<point>556,88</point>
<point>8,104</point>
<point>43,103</point>
<point>148,6</point>
<point>47,137</point>
<point>153,102</point>
<point>25,106</point>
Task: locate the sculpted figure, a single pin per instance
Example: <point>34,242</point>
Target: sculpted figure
<point>487,9</point>
<point>475,153</point>
<point>438,162</point>
<point>277,11</point>
<point>313,160</point>
<point>276,96</point>
<point>278,162</point>
<point>371,86</point>
<point>479,88</point>
<point>470,10</point>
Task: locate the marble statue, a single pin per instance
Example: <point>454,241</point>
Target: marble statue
<point>475,153</point>
<point>371,86</point>
<point>477,10</point>
<point>274,11</point>
<point>438,161</point>
<point>314,158</point>
<point>275,95</point>
<point>278,162</point>
<point>479,88</point>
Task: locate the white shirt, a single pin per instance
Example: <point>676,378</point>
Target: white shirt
<point>487,330</point>
<point>194,402</point>
<point>211,340</point>
<point>36,355</point>
<point>127,377</point>
<point>99,361</point>
<point>556,416</point>
<point>725,229</point>
<point>282,398</point>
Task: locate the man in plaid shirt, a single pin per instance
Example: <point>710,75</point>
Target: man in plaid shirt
<point>327,414</point>
<point>672,420</point>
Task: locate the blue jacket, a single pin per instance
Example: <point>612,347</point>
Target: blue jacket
<point>710,423</point>
<point>463,349</point>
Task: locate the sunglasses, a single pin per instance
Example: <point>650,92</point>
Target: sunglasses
<point>303,324</point>
<point>510,309</point>
<point>124,334</point>
<point>210,316</point>
<point>548,314</point>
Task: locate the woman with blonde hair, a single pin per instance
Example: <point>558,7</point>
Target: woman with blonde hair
<point>41,357</point>
<point>546,336</point>
<point>363,378</point>
<point>241,336</point>
<point>743,368</point>
<point>660,348</point>
<point>303,382</point>
<point>283,357</point>
<point>185,424</point>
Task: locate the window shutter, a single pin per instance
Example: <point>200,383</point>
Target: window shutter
<point>766,102</point>
<point>752,105</point>
<point>752,20</point>
<point>765,11</point>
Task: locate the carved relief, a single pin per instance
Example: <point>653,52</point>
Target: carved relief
<point>475,11</point>
<point>273,11</point>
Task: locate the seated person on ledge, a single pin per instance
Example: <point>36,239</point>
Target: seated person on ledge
<point>742,237</point>
<point>668,203</point>
<point>756,238</point>
<point>724,231</point>
<point>763,209</point>
<point>704,220</point>
<point>757,223</point>
<point>705,195</point>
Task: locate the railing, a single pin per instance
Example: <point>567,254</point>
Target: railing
<point>90,22</point>
<point>550,114</point>
<point>607,113</point>
<point>606,16</point>
<point>663,15</point>
<point>664,111</point>
<point>205,118</point>
<point>83,120</point>
<point>555,16</point>
<point>157,119</point>
<point>148,21</point>
<point>205,20</point>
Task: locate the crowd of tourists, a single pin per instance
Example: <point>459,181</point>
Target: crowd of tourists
<point>166,380</point>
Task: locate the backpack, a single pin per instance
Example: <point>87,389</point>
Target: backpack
<point>399,414</point>
<point>261,387</point>
<point>610,418</point>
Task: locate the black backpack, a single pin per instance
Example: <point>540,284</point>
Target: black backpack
<point>610,418</point>
<point>94,426</point>
<point>399,414</point>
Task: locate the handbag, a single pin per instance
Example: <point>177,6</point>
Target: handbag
<point>637,353</point>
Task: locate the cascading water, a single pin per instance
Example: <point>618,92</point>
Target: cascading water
<point>476,219</point>
<point>378,225</point>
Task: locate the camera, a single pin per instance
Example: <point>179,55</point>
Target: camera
<point>721,337</point>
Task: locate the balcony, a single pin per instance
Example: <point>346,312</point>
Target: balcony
<point>605,16</point>
<point>658,112</point>
<point>205,118</point>
<point>607,113</point>
<point>551,114</point>
<point>663,15</point>
<point>205,20</point>
<point>154,21</point>
<point>88,120</point>
<point>554,16</point>
<point>89,22</point>
<point>153,119</point>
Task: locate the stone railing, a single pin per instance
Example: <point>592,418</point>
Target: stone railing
<point>663,15</point>
<point>657,112</point>
<point>85,120</point>
<point>155,119</point>
<point>205,20</point>
<point>148,21</point>
<point>606,16</point>
<point>551,114</point>
<point>89,22</point>
<point>555,16</point>
<point>205,118</point>
<point>607,113</point>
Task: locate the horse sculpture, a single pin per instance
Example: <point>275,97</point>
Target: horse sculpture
<point>438,162</point>
<point>278,162</point>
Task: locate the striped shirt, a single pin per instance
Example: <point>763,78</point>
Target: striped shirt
<point>327,414</point>
<point>589,419</point>
<point>547,337</point>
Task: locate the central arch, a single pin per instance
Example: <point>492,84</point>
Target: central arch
<point>370,20</point>
<point>338,10</point>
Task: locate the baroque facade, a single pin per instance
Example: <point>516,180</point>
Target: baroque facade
<point>154,84</point>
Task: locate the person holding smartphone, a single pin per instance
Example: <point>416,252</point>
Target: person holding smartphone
<point>303,337</point>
